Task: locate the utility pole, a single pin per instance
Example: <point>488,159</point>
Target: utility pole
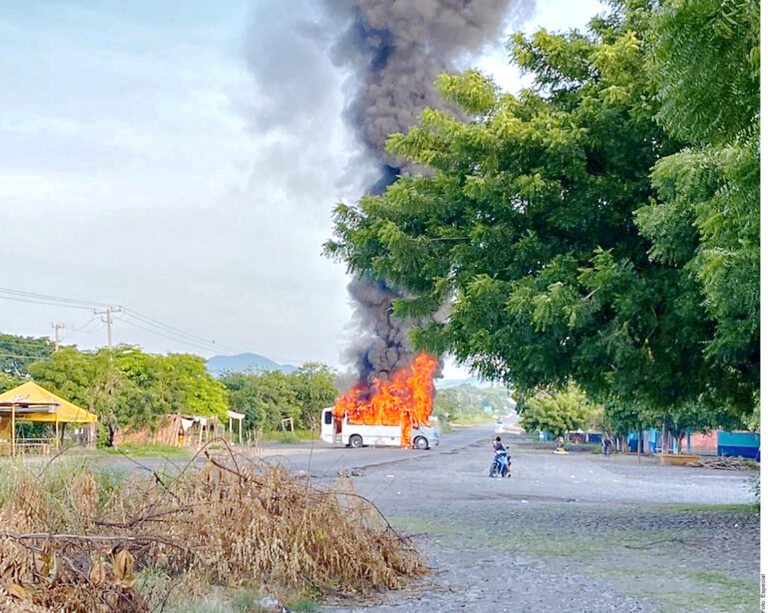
<point>56,325</point>
<point>108,320</point>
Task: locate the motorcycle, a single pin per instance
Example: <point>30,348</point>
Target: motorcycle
<point>500,465</point>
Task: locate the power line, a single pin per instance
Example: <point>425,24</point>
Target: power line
<point>50,303</point>
<point>33,341</point>
<point>141,321</point>
<point>108,320</point>
<point>155,323</point>
<point>188,342</point>
<point>22,296</point>
<point>180,333</point>
<point>86,324</point>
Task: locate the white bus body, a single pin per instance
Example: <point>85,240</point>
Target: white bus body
<point>353,435</point>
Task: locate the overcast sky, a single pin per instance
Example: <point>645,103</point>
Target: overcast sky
<point>158,156</point>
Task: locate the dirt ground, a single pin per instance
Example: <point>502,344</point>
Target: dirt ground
<point>574,533</point>
<point>565,533</point>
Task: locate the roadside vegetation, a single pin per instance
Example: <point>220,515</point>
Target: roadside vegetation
<point>287,437</point>
<point>561,410</point>
<point>468,405</point>
<point>147,450</point>
<point>74,539</point>
<point>129,388</point>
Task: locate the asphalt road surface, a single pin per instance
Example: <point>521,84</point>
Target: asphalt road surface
<point>536,473</point>
<point>326,460</point>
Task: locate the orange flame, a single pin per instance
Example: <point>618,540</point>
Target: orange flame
<point>405,401</point>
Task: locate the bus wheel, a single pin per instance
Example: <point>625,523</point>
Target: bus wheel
<point>420,443</point>
<point>355,440</point>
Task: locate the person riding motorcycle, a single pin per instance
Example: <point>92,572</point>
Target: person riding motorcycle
<point>500,463</point>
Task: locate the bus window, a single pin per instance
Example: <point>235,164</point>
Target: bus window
<point>328,418</point>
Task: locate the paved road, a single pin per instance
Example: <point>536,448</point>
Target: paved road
<point>325,460</point>
<point>322,460</point>
<point>535,474</point>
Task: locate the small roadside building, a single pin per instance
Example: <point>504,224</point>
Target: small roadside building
<point>181,430</point>
<point>32,403</point>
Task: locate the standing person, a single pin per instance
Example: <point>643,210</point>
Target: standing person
<point>606,444</point>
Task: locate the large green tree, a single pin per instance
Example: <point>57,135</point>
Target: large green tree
<point>245,397</point>
<point>315,390</point>
<point>126,387</point>
<point>268,397</point>
<point>17,352</point>
<point>561,411</point>
<point>525,224</point>
<point>705,62</point>
<point>182,384</point>
<point>92,380</point>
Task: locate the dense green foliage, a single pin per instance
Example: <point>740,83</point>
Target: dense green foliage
<point>125,386</point>
<point>567,229</point>
<point>268,397</point>
<point>128,387</point>
<point>17,352</point>
<point>706,222</point>
<point>7,381</point>
<point>560,411</point>
<point>705,59</point>
<point>461,401</point>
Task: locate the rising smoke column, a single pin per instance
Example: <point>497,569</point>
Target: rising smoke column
<point>382,346</point>
<point>394,50</point>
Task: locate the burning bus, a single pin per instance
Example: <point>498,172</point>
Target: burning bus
<point>358,435</point>
<point>394,412</point>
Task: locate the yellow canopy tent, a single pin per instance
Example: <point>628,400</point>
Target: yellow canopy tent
<point>30,402</point>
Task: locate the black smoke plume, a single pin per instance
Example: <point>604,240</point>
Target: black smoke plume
<point>394,50</point>
<point>382,346</point>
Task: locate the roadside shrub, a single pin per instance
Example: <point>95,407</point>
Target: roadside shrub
<point>77,542</point>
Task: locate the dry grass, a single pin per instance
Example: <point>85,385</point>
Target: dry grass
<point>78,544</point>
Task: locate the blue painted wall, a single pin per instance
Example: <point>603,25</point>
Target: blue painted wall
<point>744,444</point>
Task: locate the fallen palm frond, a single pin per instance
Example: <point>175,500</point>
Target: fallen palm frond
<point>221,524</point>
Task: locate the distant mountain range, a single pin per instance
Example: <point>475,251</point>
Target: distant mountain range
<point>245,362</point>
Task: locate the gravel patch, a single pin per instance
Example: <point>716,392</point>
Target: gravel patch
<point>568,533</point>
